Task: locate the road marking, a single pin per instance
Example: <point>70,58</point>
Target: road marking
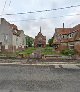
<point>60,66</point>
<point>71,66</point>
<point>57,66</point>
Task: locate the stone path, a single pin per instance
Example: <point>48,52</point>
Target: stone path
<point>37,53</point>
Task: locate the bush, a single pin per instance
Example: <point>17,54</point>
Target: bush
<point>68,52</point>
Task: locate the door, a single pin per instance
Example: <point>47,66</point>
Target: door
<point>40,45</point>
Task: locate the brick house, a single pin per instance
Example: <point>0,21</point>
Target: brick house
<point>11,39</point>
<point>67,38</point>
<point>40,40</point>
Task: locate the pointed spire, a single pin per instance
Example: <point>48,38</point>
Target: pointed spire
<point>40,29</point>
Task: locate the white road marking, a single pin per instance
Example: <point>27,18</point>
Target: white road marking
<point>70,66</point>
<point>57,66</point>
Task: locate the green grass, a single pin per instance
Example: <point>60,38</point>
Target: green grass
<point>44,51</point>
<point>7,54</point>
<point>48,51</point>
<point>28,51</point>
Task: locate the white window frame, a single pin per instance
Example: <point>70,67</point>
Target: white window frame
<point>6,46</point>
<point>70,35</point>
<point>71,45</point>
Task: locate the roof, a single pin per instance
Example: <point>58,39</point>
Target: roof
<point>40,35</point>
<point>77,36</point>
<point>15,30</point>
<point>77,27</point>
<point>14,27</point>
<point>63,30</point>
<point>66,31</point>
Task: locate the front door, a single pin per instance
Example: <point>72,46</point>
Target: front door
<point>40,45</point>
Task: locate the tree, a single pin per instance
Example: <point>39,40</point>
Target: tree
<point>29,41</point>
<point>50,42</point>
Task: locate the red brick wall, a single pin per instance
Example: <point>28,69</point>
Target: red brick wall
<point>43,42</point>
<point>62,47</point>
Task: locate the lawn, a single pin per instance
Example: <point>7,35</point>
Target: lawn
<point>44,51</point>
<point>28,51</point>
<point>48,51</point>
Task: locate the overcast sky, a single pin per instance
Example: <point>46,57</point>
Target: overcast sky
<point>32,27</point>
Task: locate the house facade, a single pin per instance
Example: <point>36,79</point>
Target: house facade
<point>67,38</point>
<point>11,39</point>
<point>40,40</point>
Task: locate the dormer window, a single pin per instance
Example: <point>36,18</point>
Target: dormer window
<point>63,36</point>
<point>70,35</point>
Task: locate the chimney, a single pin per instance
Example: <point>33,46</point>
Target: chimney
<point>63,25</point>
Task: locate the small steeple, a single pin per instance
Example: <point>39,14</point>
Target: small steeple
<point>40,29</point>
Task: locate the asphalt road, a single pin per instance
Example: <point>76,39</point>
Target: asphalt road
<point>15,78</point>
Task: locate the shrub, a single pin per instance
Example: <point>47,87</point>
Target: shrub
<point>68,52</point>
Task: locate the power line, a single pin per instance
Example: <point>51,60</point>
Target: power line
<point>9,3</point>
<point>46,18</point>
<point>39,11</point>
<point>3,7</point>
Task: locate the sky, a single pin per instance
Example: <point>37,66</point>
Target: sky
<point>53,18</point>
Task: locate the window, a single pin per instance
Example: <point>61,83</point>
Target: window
<point>63,36</point>
<point>70,35</point>
<point>5,38</point>
<point>17,41</point>
<point>6,46</point>
<point>71,46</point>
<point>22,46</point>
<point>22,41</point>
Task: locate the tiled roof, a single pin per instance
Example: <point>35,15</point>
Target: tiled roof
<point>40,35</point>
<point>64,30</point>
<point>77,36</point>
<point>14,28</point>
<point>77,27</point>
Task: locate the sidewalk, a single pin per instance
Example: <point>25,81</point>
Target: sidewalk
<point>41,63</point>
<point>54,66</point>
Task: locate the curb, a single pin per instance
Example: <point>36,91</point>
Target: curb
<point>35,64</point>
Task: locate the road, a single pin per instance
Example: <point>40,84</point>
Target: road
<point>17,78</point>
